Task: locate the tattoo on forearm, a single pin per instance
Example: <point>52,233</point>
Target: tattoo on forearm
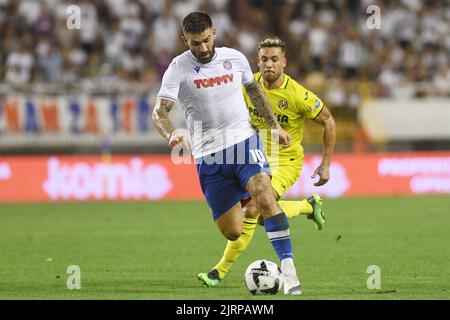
<point>261,103</point>
<point>160,117</point>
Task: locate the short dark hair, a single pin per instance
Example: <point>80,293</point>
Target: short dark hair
<point>196,22</point>
<point>272,42</point>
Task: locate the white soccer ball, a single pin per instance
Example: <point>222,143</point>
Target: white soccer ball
<point>263,277</point>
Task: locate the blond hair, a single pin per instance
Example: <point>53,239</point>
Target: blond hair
<point>272,42</point>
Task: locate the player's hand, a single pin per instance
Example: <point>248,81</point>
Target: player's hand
<point>177,139</point>
<point>323,171</point>
<point>283,138</point>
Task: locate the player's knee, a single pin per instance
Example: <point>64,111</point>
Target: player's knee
<point>232,235</point>
<point>251,211</point>
<point>266,203</point>
<point>261,192</point>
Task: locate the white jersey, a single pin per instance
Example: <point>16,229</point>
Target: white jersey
<point>211,98</point>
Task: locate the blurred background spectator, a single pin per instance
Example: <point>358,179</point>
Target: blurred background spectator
<point>409,56</point>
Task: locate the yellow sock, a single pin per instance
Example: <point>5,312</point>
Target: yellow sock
<point>234,248</point>
<point>294,208</point>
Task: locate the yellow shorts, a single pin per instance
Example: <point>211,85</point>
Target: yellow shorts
<point>285,175</point>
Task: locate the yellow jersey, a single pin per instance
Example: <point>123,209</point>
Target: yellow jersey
<point>291,103</point>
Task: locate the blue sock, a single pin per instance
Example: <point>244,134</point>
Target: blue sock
<point>277,228</point>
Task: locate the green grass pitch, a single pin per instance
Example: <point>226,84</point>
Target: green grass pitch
<point>140,250</point>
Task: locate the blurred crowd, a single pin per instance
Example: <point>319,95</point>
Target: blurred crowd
<point>330,47</point>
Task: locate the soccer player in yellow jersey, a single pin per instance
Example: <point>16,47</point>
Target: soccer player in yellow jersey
<point>291,103</point>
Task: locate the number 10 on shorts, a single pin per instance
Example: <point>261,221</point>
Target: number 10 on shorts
<point>258,156</point>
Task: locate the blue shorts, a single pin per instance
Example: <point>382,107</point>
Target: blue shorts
<point>224,175</point>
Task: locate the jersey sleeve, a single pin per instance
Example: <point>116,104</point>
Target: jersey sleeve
<point>171,81</point>
<point>247,74</point>
<point>309,103</point>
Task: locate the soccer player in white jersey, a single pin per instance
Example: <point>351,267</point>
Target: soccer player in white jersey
<point>230,160</point>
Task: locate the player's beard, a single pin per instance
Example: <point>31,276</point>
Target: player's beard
<point>207,58</point>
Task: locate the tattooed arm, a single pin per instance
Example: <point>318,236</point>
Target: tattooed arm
<point>160,117</point>
<point>262,105</point>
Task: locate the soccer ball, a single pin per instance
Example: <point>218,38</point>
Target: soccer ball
<point>263,277</point>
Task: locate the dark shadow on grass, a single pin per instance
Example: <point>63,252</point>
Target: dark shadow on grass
<point>383,292</point>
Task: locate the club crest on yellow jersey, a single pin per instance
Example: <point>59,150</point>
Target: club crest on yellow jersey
<point>283,104</point>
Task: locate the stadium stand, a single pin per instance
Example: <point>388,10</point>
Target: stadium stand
<point>124,46</point>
